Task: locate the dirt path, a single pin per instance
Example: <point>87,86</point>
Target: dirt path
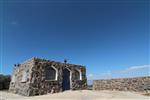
<point>78,95</point>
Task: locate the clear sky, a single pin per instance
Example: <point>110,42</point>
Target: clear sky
<point>107,36</point>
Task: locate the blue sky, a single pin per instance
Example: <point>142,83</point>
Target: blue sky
<point>107,36</point>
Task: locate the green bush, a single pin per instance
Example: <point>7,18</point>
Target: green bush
<point>4,81</point>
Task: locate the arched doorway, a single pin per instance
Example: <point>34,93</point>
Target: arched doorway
<point>66,79</point>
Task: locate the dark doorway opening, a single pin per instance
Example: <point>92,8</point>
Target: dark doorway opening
<point>66,79</point>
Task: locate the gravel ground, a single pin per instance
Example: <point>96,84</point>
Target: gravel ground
<point>78,95</point>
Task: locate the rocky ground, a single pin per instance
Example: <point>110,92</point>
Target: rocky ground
<point>79,95</point>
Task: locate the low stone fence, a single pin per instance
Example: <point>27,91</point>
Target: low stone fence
<point>138,84</point>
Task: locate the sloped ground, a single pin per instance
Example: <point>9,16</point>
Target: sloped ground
<point>78,95</point>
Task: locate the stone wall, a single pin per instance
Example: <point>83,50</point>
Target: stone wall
<point>40,86</point>
<point>17,85</point>
<point>139,84</point>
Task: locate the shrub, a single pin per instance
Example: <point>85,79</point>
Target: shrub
<point>4,81</point>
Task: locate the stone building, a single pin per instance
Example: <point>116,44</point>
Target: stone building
<point>39,76</point>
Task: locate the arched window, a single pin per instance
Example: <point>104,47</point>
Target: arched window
<point>51,73</point>
<point>78,75</point>
<point>25,76</point>
<point>13,79</point>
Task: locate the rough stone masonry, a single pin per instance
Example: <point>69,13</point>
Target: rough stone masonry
<point>138,84</point>
<point>39,76</point>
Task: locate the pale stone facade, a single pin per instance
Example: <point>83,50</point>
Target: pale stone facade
<point>39,76</point>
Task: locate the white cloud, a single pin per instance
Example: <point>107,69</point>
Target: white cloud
<point>90,75</point>
<point>133,71</point>
<point>135,68</point>
<point>106,75</point>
